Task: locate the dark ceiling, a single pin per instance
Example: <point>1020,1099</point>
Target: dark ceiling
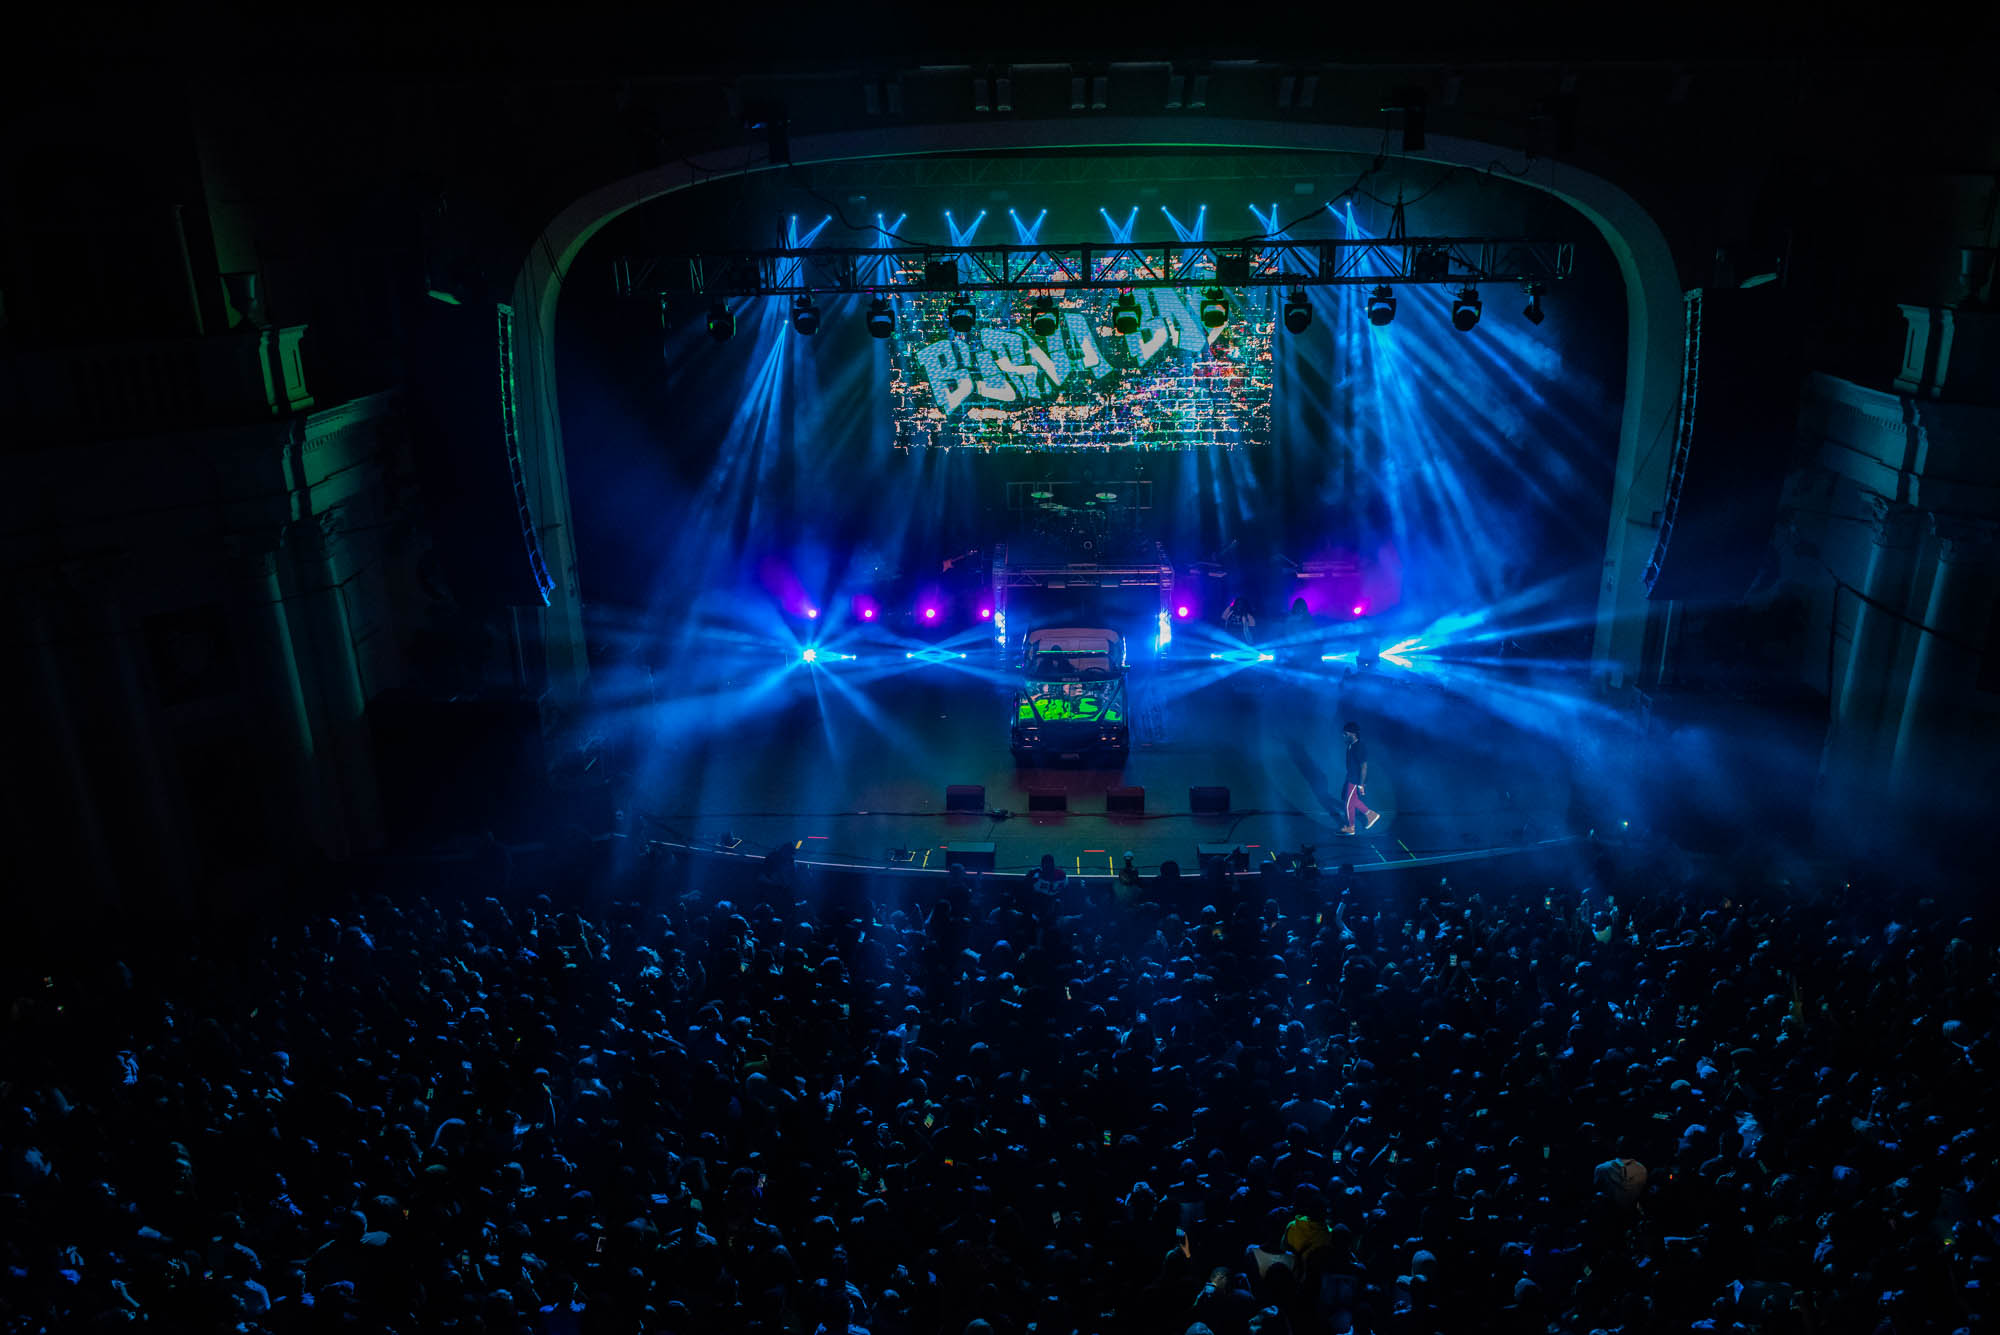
<point>170,43</point>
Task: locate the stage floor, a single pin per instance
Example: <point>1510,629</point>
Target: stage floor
<point>855,769</point>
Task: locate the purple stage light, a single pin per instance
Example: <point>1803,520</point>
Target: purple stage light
<point>985,614</point>
<point>1182,611</point>
<point>930,614</point>
<point>1360,608</point>
<point>812,613</point>
<point>867,614</point>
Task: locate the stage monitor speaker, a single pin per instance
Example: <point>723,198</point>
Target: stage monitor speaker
<point>1208,801</point>
<point>965,797</point>
<point>975,856</point>
<point>1230,857</point>
<point>1737,426</point>
<point>1048,801</point>
<point>1131,801</point>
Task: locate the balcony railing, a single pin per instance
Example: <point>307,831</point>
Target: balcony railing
<point>108,390</point>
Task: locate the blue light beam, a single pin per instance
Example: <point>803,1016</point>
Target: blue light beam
<point>1029,234</point>
<point>1121,235</point>
<point>963,236</point>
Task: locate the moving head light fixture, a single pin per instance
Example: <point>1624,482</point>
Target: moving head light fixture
<point>1044,319</point>
<point>1125,313</point>
<point>1214,308</point>
<point>1465,308</point>
<point>721,324</point>
<point>1381,306</point>
<point>961,316</point>
<point>881,318</point>
<point>805,315</point>
<point>1298,311</point>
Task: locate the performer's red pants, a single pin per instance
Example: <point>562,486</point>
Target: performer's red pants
<point>1351,803</point>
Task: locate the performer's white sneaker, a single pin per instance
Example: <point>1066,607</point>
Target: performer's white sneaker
<point>1373,816</point>
<point>1347,829</point>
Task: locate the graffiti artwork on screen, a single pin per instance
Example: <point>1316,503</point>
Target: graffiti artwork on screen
<point>1174,384</point>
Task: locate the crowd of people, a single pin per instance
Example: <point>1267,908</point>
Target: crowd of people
<point>1008,1104</point>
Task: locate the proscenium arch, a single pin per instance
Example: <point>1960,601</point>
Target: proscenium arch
<point>1653,298</point>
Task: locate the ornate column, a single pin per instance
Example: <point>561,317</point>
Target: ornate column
<point>1947,659</point>
<point>318,559</point>
<point>279,695</point>
<point>1891,562</point>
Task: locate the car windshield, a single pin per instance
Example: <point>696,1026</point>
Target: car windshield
<point>1073,655</point>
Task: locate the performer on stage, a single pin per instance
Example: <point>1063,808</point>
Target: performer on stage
<point>1357,781</point>
<point>1241,617</point>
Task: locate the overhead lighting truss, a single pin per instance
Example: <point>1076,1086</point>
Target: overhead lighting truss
<point>1361,262</point>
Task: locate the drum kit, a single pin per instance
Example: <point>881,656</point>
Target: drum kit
<point>1083,530</point>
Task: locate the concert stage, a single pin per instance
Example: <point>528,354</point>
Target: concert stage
<point>857,773</point>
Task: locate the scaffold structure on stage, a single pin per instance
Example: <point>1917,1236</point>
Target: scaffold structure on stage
<point>1130,574</point>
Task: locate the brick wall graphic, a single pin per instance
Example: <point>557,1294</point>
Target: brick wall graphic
<point>1172,385</point>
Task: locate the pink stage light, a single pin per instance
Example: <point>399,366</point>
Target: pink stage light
<point>985,614</point>
<point>1181,611</point>
<point>1359,608</point>
<point>867,614</point>
<point>812,613</point>
<point>930,614</point>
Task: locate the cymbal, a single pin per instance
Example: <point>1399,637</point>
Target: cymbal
<point>1107,495</point>
<point>1042,495</point>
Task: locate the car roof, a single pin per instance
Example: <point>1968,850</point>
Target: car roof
<point>1075,641</point>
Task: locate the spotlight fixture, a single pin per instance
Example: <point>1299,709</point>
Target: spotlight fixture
<point>1381,306</point>
<point>1044,319</point>
<point>721,324</point>
<point>1534,308</point>
<point>1298,311</point>
<point>1125,314</point>
<point>811,655</point>
<point>1214,308</point>
<point>805,315</point>
<point>881,318</point>
<point>960,316</point>
<point>1465,308</point>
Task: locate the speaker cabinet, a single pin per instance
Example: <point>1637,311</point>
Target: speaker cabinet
<point>965,797</point>
<point>1126,801</point>
<point>1208,801</point>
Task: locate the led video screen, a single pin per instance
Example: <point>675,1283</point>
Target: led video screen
<point>1174,384</point>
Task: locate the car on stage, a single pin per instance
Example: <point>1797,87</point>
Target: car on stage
<point>1071,700</point>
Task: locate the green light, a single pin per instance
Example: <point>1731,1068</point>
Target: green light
<point>446,297</point>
